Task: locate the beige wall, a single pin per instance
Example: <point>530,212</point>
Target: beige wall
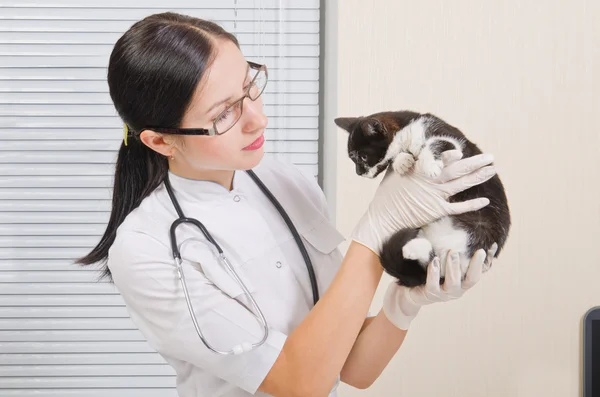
<point>522,80</point>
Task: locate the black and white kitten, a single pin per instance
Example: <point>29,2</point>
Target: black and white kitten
<point>410,141</point>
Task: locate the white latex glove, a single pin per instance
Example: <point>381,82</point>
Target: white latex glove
<point>401,304</point>
<point>413,200</point>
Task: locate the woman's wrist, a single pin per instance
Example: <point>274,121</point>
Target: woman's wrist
<point>398,306</point>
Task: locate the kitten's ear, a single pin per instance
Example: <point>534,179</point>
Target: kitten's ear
<point>345,122</point>
<point>375,127</point>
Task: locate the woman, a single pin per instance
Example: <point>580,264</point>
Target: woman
<point>193,118</point>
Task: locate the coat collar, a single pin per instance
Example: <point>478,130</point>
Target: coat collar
<point>202,190</point>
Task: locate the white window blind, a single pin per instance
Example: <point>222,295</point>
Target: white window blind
<point>63,333</point>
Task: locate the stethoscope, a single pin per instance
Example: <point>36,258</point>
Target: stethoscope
<point>244,346</point>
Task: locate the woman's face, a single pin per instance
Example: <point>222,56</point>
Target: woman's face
<point>223,83</point>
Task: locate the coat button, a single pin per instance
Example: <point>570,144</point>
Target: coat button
<point>236,198</point>
<point>278,264</point>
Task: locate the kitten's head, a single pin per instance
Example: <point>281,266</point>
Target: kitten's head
<point>368,141</point>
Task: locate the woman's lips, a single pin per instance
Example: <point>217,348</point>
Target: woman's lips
<point>257,144</point>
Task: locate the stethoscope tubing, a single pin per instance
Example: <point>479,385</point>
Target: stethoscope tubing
<point>244,346</point>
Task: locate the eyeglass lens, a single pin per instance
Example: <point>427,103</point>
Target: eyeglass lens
<point>232,114</point>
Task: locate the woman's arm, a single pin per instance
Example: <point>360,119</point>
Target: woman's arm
<point>383,335</point>
<point>374,348</point>
<point>315,352</point>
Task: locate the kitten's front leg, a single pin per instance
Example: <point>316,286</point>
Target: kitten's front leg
<point>403,163</point>
<point>402,160</point>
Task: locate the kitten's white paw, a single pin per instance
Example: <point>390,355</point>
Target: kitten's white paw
<point>403,163</point>
<point>429,166</point>
<point>417,249</point>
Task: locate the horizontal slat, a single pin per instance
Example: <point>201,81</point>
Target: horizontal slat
<point>81,359</point>
<point>26,110</point>
<point>273,87</point>
<point>66,336</point>
<point>90,157</point>
<point>66,324</point>
<point>85,382</point>
<point>66,188</point>
<point>86,370</point>
<point>98,145</point>
<point>113,145</point>
<point>55,169</point>
<point>90,181</point>
<point>103,98</point>
<point>43,253</point>
<point>49,241</point>
<point>41,25</point>
<point>56,217</point>
<point>59,300</point>
<point>289,39</point>
<point>50,277</point>
<point>56,288</point>
<point>53,206</point>
<point>67,50</point>
<point>44,229</point>
<point>101,61</point>
<point>134,14</point>
<point>29,193</point>
<point>114,392</point>
<point>91,170</point>
<point>92,134</point>
<point>109,122</point>
<point>56,181</point>
<point>74,347</point>
<point>99,74</point>
<point>151,5</point>
<point>58,312</point>
<point>68,169</point>
<point>63,157</point>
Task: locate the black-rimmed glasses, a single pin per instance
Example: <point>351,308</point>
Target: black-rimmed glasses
<point>228,117</point>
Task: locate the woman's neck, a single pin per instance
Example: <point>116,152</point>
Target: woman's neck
<point>222,177</point>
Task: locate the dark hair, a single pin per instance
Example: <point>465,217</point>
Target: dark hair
<point>153,71</point>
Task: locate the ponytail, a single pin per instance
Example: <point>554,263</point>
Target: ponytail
<point>139,170</point>
<point>153,73</point>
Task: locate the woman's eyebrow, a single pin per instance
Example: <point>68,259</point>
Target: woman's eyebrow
<point>229,98</point>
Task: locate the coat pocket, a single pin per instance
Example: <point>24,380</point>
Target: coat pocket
<point>321,234</point>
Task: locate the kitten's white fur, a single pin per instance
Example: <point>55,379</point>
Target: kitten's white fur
<point>409,150</point>
<point>417,249</point>
<point>443,237</point>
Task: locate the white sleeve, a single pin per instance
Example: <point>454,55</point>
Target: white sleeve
<point>146,276</point>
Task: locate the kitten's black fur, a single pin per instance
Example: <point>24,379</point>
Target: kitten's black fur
<point>370,138</point>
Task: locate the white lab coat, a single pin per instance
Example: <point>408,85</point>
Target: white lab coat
<point>260,246</point>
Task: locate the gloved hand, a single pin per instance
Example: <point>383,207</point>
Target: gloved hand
<point>413,200</point>
<point>401,304</point>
